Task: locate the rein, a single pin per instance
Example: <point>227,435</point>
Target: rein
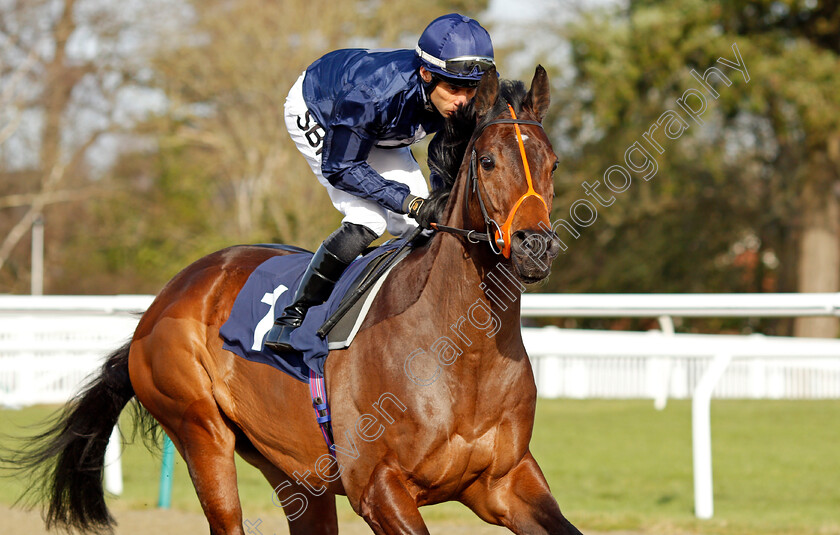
<point>497,236</point>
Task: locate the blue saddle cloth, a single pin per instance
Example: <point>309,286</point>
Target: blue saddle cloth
<point>268,291</point>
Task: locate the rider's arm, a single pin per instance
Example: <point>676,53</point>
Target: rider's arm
<point>350,136</point>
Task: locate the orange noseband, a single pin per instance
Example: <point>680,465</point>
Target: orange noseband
<point>499,239</point>
<point>503,233</point>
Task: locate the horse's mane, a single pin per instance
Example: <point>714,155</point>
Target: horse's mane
<point>449,146</point>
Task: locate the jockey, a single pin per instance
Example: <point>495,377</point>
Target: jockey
<point>353,115</point>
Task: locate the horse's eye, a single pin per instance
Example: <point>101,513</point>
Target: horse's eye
<point>554,167</point>
<point>487,163</point>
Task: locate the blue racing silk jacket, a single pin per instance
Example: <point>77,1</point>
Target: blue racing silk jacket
<point>366,98</point>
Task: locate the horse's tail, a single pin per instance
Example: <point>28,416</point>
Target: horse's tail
<point>66,462</point>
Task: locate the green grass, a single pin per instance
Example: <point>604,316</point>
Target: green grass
<point>623,465</point>
<point>615,465</point>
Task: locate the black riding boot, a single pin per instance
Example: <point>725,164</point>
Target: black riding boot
<point>327,264</point>
<point>315,287</point>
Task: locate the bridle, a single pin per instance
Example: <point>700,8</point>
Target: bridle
<point>497,236</point>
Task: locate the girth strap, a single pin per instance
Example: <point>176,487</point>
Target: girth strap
<point>318,392</point>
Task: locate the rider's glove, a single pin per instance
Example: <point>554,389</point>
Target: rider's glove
<point>420,210</point>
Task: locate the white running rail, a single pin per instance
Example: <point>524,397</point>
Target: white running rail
<point>49,345</point>
<point>820,359</point>
<point>788,305</point>
<point>649,361</point>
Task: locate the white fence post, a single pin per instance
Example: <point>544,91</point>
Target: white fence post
<point>701,436</point>
<point>660,400</point>
<point>113,465</point>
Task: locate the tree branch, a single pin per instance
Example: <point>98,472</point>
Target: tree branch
<point>65,195</point>
<point>19,230</point>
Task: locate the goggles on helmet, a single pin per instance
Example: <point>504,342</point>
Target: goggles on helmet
<point>462,66</point>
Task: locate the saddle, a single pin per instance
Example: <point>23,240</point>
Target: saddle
<point>340,334</point>
<point>270,288</point>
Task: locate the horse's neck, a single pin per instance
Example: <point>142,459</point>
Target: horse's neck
<point>472,276</point>
<point>477,290</point>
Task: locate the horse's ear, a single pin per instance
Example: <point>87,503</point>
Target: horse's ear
<point>487,92</point>
<point>539,96</point>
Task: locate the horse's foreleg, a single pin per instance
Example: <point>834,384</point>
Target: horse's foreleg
<point>387,506</point>
<point>520,501</point>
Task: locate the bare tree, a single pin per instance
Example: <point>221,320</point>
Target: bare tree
<point>226,79</point>
<point>66,67</point>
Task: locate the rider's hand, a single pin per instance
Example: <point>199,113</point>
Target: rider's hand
<point>420,210</point>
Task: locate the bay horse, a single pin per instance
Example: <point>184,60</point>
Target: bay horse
<point>434,400</point>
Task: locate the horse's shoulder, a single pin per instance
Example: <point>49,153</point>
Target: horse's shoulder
<point>402,288</point>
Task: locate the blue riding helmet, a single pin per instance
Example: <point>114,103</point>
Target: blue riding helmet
<point>456,48</point>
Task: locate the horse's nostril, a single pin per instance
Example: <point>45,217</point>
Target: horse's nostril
<point>518,237</point>
<point>531,243</point>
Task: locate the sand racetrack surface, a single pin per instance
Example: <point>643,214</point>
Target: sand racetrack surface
<point>159,522</point>
<point>171,522</point>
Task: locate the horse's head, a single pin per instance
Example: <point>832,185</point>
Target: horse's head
<point>510,183</point>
